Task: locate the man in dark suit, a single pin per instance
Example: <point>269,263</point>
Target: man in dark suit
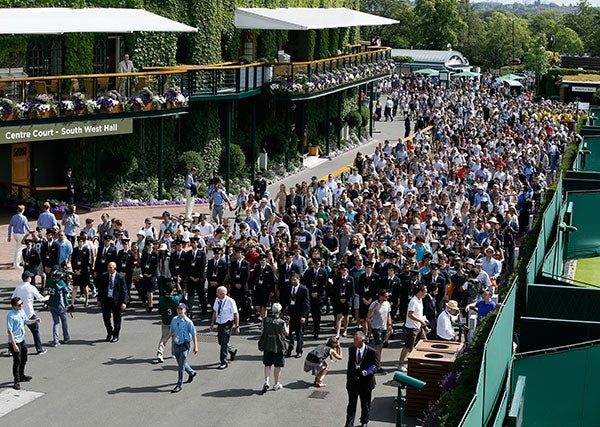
<point>195,267</point>
<point>216,272</point>
<point>362,360</point>
<point>284,272</point>
<point>105,254</point>
<point>125,263</point>
<point>434,276</point>
<point>239,275</point>
<point>112,297</point>
<point>31,259</point>
<point>70,193</point>
<point>293,199</point>
<point>298,311</point>
<point>315,279</point>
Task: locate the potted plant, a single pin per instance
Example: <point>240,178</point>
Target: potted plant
<point>110,102</point>
<point>79,103</point>
<point>174,97</point>
<point>8,109</point>
<point>151,100</point>
<point>42,106</point>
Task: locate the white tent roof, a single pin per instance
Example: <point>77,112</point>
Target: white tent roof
<point>304,18</point>
<point>59,20</point>
<point>514,83</point>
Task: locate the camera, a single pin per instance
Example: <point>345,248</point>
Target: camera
<point>61,273</point>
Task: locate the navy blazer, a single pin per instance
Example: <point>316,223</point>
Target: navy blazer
<point>354,376</point>
<point>302,305</point>
<point>120,295</point>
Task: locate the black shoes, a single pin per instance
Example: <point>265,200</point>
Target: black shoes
<point>17,386</point>
<point>191,377</point>
<point>108,337</point>
<point>177,389</point>
<point>298,355</point>
<point>232,354</point>
<point>223,366</point>
<point>25,378</point>
<point>114,339</point>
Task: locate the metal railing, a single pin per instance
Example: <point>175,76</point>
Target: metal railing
<point>289,69</point>
<point>22,192</point>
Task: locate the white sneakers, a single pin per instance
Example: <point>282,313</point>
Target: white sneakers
<point>277,386</point>
<point>403,367</point>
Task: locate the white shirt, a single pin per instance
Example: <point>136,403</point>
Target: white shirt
<point>416,306</point>
<point>444,327</point>
<point>28,293</point>
<point>380,315</point>
<point>226,312</point>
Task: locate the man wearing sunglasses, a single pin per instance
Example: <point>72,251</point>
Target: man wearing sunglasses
<point>16,320</point>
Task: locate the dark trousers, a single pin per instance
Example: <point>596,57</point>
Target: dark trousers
<point>354,392</point>
<point>19,360</point>
<point>212,293</point>
<point>224,334</point>
<point>108,308</point>
<point>197,288</point>
<point>315,313</point>
<point>297,333</point>
<point>35,331</point>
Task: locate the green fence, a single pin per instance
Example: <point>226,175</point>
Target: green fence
<point>585,242</point>
<point>588,157</point>
<point>495,365</point>
<point>562,386</point>
<point>548,219</point>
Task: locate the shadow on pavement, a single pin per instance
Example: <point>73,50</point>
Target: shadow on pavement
<point>299,385</point>
<point>129,361</point>
<point>242,392</point>
<point>147,389</point>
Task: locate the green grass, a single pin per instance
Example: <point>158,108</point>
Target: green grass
<point>588,270</point>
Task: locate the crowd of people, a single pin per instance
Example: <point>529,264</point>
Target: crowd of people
<point>422,230</point>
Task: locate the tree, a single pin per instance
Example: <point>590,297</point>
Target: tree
<point>584,22</point>
<point>398,35</point>
<point>471,41</point>
<point>507,37</point>
<point>438,24</point>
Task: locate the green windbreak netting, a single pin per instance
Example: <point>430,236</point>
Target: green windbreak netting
<point>592,159</point>
<point>585,242</point>
<point>562,388</point>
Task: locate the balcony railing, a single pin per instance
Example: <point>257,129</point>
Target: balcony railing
<point>330,65</point>
<point>312,79</point>
<point>157,88</point>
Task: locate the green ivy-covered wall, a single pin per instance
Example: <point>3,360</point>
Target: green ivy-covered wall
<point>134,157</point>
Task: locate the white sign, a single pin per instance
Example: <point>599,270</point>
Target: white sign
<point>585,89</point>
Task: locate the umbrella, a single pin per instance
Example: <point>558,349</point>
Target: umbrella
<point>467,74</point>
<point>510,77</point>
<point>427,71</point>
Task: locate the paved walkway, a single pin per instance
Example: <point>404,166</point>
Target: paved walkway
<point>91,382</point>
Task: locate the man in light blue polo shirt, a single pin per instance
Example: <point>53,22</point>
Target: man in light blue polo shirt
<point>18,227</point>
<point>218,198</point>
<point>183,332</point>
<point>47,219</point>
<point>16,319</point>
<point>65,249</point>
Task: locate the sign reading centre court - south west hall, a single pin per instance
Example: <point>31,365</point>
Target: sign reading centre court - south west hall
<point>56,131</point>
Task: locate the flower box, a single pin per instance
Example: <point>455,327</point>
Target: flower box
<point>11,116</point>
<point>313,150</point>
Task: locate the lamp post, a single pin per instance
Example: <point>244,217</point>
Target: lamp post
<point>445,78</point>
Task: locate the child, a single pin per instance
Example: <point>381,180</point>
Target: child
<point>316,360</point>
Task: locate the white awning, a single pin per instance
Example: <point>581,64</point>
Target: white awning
<point>304,18</point>
<point>59,20</point>
<point>513,83</point>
